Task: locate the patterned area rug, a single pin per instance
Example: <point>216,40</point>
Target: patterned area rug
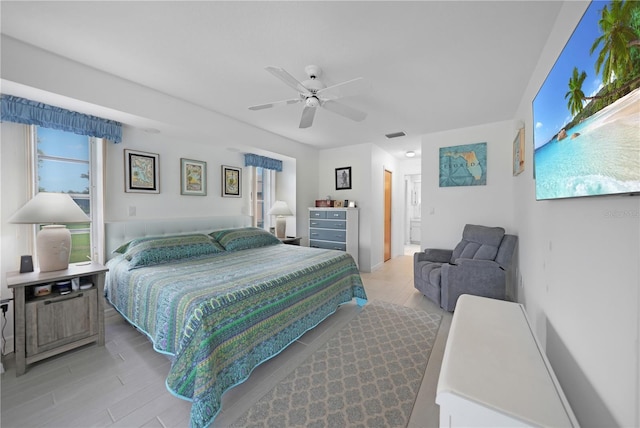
<point>367,375</point>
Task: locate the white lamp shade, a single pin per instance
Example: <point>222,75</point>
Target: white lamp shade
<point>53,242</point>
<point>280,208</point>
<point>50,208</point>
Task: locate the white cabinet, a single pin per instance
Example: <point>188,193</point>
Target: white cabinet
<point>334,229</point>
<point>495,373</point>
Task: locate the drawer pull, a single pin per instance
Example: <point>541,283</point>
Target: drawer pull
<point>48,302</point>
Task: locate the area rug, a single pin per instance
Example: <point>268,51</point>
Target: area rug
<point>367,375</point>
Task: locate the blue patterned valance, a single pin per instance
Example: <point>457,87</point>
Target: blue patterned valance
<point>21,110</point>
<point>262,161</point>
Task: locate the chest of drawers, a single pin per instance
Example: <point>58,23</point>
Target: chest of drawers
<point>335,229</point>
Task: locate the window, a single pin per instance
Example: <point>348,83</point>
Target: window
<point>264,181</point>
<point>65,162</point>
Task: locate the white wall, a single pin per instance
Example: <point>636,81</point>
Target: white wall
<point>15,237</point>
<point>367,162</point>
<point>445,210</point>
<point>579,261</point>
<point>358,157</point>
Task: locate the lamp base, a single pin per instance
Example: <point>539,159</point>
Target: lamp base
<point>53,244</point>
<point>281,226</point>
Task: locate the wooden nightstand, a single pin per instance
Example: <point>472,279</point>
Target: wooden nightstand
<point>291,240</point>
<point>55,323</point>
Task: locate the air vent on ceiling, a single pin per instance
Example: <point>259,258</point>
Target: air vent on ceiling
<point>395,135</point>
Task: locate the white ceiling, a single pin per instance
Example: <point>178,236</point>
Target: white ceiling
<point>433,65</point>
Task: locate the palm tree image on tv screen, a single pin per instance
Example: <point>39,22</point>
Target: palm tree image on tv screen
<point>586,115</point>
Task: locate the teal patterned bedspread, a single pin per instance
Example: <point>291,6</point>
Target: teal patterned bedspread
<point>220,316</point>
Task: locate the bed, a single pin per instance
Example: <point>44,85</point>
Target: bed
<point>221,303</point>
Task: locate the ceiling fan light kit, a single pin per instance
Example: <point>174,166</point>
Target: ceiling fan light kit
<point>314,93</point>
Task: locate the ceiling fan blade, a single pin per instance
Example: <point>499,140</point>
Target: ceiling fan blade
<point>346,89</point>
<point>283,75</point>
<point>275,104</point>
<point>344,110</point>
<point>307,117</point>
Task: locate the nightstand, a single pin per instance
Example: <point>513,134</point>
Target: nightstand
<point>47,325</point>
<point>291,240</point>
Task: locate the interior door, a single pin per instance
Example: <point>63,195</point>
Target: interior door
<point>387,215</point>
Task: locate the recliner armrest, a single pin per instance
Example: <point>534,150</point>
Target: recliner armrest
<point>434,255</point>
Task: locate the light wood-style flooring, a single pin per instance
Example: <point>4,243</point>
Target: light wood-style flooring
<point>123,383</point>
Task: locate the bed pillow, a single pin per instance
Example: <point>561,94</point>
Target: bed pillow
<point>244,238</point>
<point>122,249</point>
<point>153,251</point>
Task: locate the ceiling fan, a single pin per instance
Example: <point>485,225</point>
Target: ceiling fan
<point>316,94</point>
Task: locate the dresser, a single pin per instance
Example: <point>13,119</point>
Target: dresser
<point>334,229</point>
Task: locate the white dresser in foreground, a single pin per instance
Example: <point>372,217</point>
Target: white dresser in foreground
<point>495,373</point>
<point>334,229</point>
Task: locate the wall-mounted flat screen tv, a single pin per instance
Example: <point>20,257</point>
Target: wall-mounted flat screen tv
<point>586,115</point>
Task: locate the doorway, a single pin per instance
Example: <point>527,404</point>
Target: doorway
<point>412,212</point>
<point>387,215</point>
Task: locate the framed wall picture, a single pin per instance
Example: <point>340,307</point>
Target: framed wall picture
<point>464,165</point>
<point>231,182</point>
<point>343,178</point>
<point>518,152</point>
<point>193,177</point>
<point>141,172</point>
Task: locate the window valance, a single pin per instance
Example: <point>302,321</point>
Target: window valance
<point>21,110</point>
<point>251,159</point>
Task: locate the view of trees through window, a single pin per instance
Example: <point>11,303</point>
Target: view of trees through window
<point>63,166</point>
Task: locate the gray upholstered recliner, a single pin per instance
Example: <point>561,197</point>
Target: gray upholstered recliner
<point>476,266</point>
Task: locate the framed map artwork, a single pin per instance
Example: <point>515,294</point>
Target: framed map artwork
<point>464,165</point>
<point>141,172</point>
<point>193,177</point>
<point>231,182</point>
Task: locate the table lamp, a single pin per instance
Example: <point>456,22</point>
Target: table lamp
<point>53,241</point>
<point>280,209</point>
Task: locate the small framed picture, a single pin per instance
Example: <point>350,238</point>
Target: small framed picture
<point>343,178</point>
<point>518,152</point>
<point>231,182</point>
<point>337,204</point>
<point>141,172</point>
<point>193,177</point>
